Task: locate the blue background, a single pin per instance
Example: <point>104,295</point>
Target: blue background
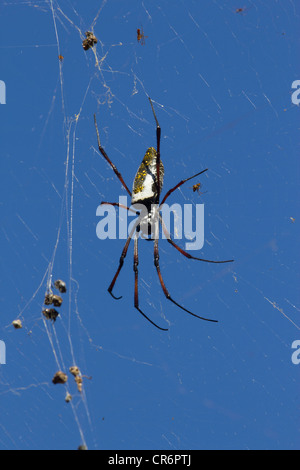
<point>221,83</point>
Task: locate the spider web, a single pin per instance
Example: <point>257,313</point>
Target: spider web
<point>220,80</point>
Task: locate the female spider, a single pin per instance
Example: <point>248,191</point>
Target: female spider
<point>147,186</point>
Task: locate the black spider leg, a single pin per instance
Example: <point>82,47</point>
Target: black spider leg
<point>180,184</point>
<point>158,135</point>
<point>136,289</point>
<point>183,252</point>
<point>167,234</point>
<point>165,290</point>
<point>101,149</point>
<point>117,204</point>
<point>121,262</point>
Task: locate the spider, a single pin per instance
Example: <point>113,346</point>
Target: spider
<point>242,10</point>
<point>141,36</point>
<point>147,186</point>
<point>197,187</point>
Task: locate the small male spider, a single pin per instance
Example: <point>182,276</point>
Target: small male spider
<point>147,186</point>
<point>197,188</point>
<point>141,36</point>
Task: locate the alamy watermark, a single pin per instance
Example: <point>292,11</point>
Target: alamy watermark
<point>296,94</point>
<point>184,223</point>
<point>2,92</point>
<point>2,352</point>
<point>296,353</point>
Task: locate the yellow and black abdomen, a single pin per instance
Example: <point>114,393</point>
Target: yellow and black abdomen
<point>145,187</point>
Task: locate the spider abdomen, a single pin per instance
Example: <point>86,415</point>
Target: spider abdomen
<point>145,187</point>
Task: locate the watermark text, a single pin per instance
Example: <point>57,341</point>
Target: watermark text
<point>296,94</point>
<point>185,222</point>
<point>296,353</point>
<point>2,92</point>
<point>2,352</point>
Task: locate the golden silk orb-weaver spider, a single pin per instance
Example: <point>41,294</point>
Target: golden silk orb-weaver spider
<point>146,190</point>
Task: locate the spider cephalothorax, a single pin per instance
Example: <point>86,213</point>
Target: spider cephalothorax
<point>145,199</point>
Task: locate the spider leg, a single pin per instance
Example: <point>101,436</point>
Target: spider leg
<point>121,262</point>
<point>117,204</point>
<point>183,252</point>
<point>165,290</point>
<point>180,184</point>
<point>136,289</point>
<point>104,154</point>
<point>158,135</point>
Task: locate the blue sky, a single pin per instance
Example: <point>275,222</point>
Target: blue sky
<point>221,82</point>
